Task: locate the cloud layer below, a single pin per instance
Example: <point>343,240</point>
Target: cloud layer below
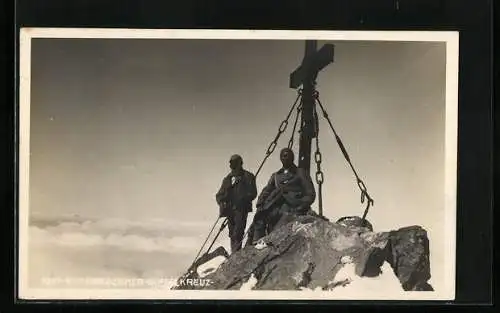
<point>111,248</point>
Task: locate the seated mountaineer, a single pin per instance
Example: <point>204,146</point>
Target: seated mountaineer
<point>289,191</point>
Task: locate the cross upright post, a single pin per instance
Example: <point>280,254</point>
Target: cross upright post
<point>305,75</point>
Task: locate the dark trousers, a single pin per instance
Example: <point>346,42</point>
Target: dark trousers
<point>265,221</point>
<point>237,222</point>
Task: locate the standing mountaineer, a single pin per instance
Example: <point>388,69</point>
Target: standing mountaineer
<point>235,197</point>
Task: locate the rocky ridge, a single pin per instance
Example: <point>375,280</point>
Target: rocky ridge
<point>308,252</point>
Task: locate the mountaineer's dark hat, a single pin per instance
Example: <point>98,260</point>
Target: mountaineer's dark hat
<point>236,157</point>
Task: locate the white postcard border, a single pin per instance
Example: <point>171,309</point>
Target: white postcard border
<point>27,34</point>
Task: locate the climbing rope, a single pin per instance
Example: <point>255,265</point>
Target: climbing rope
<point>360,183</point>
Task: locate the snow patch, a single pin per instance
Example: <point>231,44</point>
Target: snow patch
<point>210,266</point>
<point>250,283</point>
<point>347,283</point>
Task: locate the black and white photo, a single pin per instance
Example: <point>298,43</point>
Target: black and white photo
<point>225,164</point>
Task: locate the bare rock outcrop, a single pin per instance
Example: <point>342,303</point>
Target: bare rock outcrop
<point>308,251</point>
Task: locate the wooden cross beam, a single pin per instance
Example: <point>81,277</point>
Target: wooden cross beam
<point>313,62</point>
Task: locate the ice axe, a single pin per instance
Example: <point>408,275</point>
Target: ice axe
<point>208,236</point>
<point>224,224</point>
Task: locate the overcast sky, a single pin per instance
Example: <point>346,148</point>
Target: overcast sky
<point>144,128</point>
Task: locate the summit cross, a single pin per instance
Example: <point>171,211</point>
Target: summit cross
<point>313,62</point>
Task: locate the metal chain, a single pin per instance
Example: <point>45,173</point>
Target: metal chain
<point>360,183</point>
<point>318,160</point>
<point>269,151</point>
<point>299,110</point>
<point>281,130</point>
<point>274,143</point>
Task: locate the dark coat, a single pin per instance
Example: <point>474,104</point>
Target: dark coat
<point>294,187</point>
<point>238,196</point>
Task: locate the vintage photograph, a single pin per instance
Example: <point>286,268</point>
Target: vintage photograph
<point>237,164</point>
